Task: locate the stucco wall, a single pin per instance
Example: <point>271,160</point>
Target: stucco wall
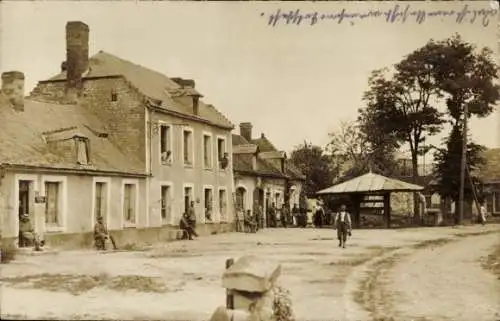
<point>178,175</point>
<point>77,202</point>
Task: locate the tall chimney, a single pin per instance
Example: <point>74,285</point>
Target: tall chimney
<point>77,57</point>
<point>13,88</point>
<point>246,131</point>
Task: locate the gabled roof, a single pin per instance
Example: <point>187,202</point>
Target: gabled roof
<point>25,138</point>
<point>371,183</point>
<point>239,140</point>
<point>264,144</point>
<point>245,149</point>
<point>273,154</point>
<point>243,163</point>
<point>152,84</point>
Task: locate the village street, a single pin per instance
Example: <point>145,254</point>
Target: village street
<point>399,274</point>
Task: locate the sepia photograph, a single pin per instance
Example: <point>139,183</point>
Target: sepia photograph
<point>250,160</point>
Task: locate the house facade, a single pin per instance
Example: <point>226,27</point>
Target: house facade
<point>263,175</point>
<point>163,145</point>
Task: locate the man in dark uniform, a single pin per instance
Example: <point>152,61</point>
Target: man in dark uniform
<point>27,232</point>
<point>284,215</point>
<point>272,216</point>
<point>101,234</point>
<point>187,229</point>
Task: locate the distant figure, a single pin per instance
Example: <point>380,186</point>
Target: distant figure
<point>187,229</point>
<point>319,217</point>
<point>250,224</point>
<point>272,216</point>
<point>483,214</point>
<point>343,225</point>
<point>192,218</point>
<point>27,233</point>
<point>284,215</point>
<point>101,234</point>
<point>295,215</point>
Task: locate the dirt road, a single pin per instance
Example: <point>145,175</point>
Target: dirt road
<point>383,274</point>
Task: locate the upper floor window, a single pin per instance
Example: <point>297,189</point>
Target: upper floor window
<point>207,151</point>
<point>187,146</point>
<point>114,95</point>
<point>222,155</point>
<point>166,144</point>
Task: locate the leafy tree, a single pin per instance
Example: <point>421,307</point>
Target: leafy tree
<point>465,77</point>
<point>356,149</point>
<point>316,166</point>
<point>399,105</point>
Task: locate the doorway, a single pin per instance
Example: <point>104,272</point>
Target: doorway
<point>25,207</point>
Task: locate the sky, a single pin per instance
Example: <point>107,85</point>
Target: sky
<point>292,82</point>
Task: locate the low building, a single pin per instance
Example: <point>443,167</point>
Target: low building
<point>263,174</point>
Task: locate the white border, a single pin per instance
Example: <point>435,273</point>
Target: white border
<point>24,177</point>
<point>210,150</point>
<point>193,158</point>
<point>229,165</point>
<point>171,137</point>
<point>107,181</point>
<point>122,194</point>
<point>221,217</point>
<point>63,180</point>
<point>170,184</point>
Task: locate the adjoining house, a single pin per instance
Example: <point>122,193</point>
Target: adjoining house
<point>152,147</point>
<point>489,175</point>
<point>263,175</point>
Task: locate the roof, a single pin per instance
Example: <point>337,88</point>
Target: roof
<point>293,171</point>
<point>245,149</point>
<point>243,163</point>
<point>25,138</point>
<point>264,144</point>
<point>490,171</point>
<point>152,84</point>
<point>371,183</point>
<point>273,154</point>
<point>239,140</point>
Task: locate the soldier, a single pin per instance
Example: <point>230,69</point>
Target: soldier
<point>295,214</point>
<point>272,216</point>
<point>187,229</point>
<point>28,233</point>
<point>101,234</point>
<point>284,215</point>
<point>192,218</point>
<point>343,225</point>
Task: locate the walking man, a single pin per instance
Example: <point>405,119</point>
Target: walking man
<point>343,225</point>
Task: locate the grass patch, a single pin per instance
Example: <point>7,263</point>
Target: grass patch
<point>8,252</point>
<point>77,284</point>
<point>429,243</point>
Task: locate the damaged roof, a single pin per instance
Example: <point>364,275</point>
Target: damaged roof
<point>152,84</point>
<point>27,139</point>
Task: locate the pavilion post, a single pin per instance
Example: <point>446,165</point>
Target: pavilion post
<point>387,209</point>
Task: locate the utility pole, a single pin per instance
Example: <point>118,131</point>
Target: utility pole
<point>463,164</point>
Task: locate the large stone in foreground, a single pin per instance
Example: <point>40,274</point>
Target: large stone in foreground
<point>251,274</point>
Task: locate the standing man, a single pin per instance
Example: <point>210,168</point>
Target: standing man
<point>192,218</point>
<point>187,229</point>
<point>483,214</point>
<point>272,216</point>
<point>284,215</point>
<point>343,225</point>
<point>295,214</point>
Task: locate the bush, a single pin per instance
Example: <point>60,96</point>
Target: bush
<point>8,252</point>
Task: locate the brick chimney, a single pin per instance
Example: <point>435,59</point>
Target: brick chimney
<point>13,88</point>
<point>246,131</point>
<point>77,57</point>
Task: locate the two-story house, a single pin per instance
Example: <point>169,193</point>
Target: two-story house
<point>263,175</point>
<point>180,146</point>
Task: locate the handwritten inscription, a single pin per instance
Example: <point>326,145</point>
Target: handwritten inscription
<point>397,14</point>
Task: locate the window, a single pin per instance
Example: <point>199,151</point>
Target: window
<point>207,151</point>
<point>52,205</point>
<point>188,197</point>
<point>100,201</point>
<point>240,198</point>
<point>187,137</point>
<point>496,198</point>
<point>221,148</point>
<point>114,95</point>
<point>223,204</point>
<point>208,200</point>
<point>82,150</point>
<point>166,204</point>
<point>129,203</point>
<point>24,197</point>
<point>489,203</point>
<point>165,144</point>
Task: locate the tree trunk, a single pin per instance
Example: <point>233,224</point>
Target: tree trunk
<point>416,204</point>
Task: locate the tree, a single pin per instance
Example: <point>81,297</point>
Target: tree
<point>466,80</point>
<point>356,147</point>
<point>399,105</point>
<point>315,165</point>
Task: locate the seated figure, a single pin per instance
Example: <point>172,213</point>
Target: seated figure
<point>101,235</point>
<point>27,235</point>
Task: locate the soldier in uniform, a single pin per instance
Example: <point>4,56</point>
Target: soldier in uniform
<point>101,234</point>
<point>28,233</point>
<point>187,229</point>
<point>192,218</point>
<point>284,215</point>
